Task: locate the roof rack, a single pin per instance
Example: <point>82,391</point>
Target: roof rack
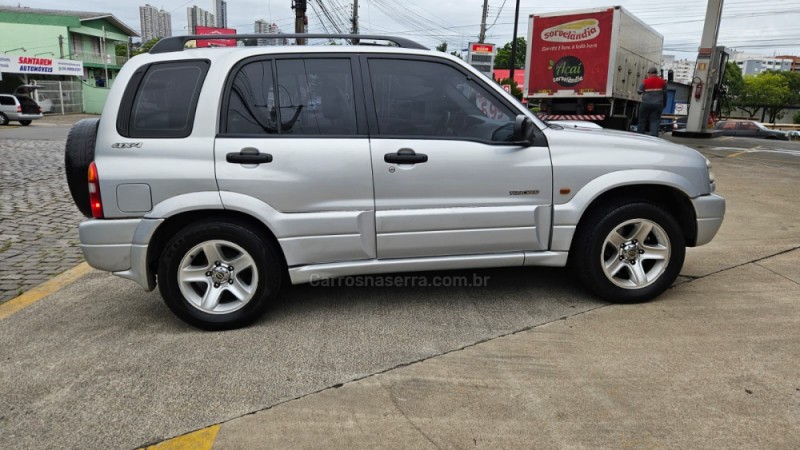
<point>178,43</point>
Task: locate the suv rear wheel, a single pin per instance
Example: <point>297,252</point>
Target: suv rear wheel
<point>3,119</point>
<point>629,253</point>
<point>219,275</point>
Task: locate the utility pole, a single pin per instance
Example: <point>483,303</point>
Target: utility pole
<point>482,36</point>
<point>61,46</point>
<point>514,44</point>
<point>299,7</point>
<point>105,56</point>
<point>706,71</point>
<point>355,20</point>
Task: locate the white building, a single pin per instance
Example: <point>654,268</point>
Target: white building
<point>682,70</point>
<point>221,13</point>
<point>261,26</point>
<point>755,64</point>
<point>154,23</point>
<point>198,17</point>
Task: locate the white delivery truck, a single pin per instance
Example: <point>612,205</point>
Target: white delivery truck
<point>587,64</point>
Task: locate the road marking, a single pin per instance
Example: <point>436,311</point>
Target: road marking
<point>43,290</point>
<point>202,439</point>
<point>734,155</point>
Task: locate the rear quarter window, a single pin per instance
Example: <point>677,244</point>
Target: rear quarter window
<point>161,100</point>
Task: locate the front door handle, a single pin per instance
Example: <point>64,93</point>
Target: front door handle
<point>405,156</point>
<point>248,155</point>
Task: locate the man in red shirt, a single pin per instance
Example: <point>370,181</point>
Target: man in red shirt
<point>653,90</point>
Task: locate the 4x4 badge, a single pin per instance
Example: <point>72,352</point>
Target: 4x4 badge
<point>126,145</point>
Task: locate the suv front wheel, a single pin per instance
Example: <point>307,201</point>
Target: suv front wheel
<point>629,253</point>
<point>219,275</point>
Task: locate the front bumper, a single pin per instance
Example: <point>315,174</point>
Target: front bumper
<point>710,211</point>
<point>120,247</point>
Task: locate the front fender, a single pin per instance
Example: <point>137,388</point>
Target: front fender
<point>571,212</point>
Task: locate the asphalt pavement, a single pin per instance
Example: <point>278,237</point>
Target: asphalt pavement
<point>529,360</point>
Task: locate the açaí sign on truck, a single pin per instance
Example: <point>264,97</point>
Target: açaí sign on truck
<point>587,64</point>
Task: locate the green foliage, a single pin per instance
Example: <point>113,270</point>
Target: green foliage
<point>797,117</point>
<point>793,80</point>
<point>145,47</point>
<point>732,87</point>
<point>515,90</point>
<point>442,47</point>
<point>503,58</point>
<point>766,90</point>
<point>121,49</point>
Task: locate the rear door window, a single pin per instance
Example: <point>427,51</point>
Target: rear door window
<point>297,97</point>
<point>316,97</point>
<point>165,101</point>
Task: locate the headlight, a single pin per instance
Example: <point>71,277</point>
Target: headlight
<point>710,174</point>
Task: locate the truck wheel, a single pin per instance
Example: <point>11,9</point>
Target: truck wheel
<point>627,253</point>
<point>219,275</point>
<point>3,119</point>
<point>25,123</point>
<point>78,154</point>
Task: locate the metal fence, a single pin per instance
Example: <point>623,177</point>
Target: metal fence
<point>60,97</point>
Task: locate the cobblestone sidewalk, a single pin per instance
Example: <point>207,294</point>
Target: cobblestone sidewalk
<point>38,221</point>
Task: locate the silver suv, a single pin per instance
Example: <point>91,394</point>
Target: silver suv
<point>222,173</point>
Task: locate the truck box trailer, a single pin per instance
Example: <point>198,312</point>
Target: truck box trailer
<point>587,64</point>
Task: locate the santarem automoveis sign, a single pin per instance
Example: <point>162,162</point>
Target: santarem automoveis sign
<point>34,65</point>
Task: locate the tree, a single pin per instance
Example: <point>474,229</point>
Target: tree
<point>793,79</point>
<point>766,90</point>
<point>146,46</point>
<point>442,47</point>
<point>503,58</point>
<point>732,86</point>
<point>121,49</point>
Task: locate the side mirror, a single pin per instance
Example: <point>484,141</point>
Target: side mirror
<point>523,130</point>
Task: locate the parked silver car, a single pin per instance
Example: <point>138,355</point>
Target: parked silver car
<point>218,174</point>
<point>20,108</point>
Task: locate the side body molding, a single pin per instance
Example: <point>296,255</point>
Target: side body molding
<point>313,237</point>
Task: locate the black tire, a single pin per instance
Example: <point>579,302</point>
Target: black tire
<point>25,123</point>
<point>78,154</point>
<point>591,251</point>
<point>3,119</point>
<point>266,265</point>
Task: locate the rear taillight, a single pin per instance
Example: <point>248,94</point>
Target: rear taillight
<point>94,192</point>
<point>19,108</point>
<point>40,110</point>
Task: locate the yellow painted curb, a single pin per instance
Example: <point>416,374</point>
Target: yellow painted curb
<point>43,290</point>
<point>196,440</point>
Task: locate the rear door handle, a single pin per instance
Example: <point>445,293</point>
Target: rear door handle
<point>405,156</point>
<point>248,155</point>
